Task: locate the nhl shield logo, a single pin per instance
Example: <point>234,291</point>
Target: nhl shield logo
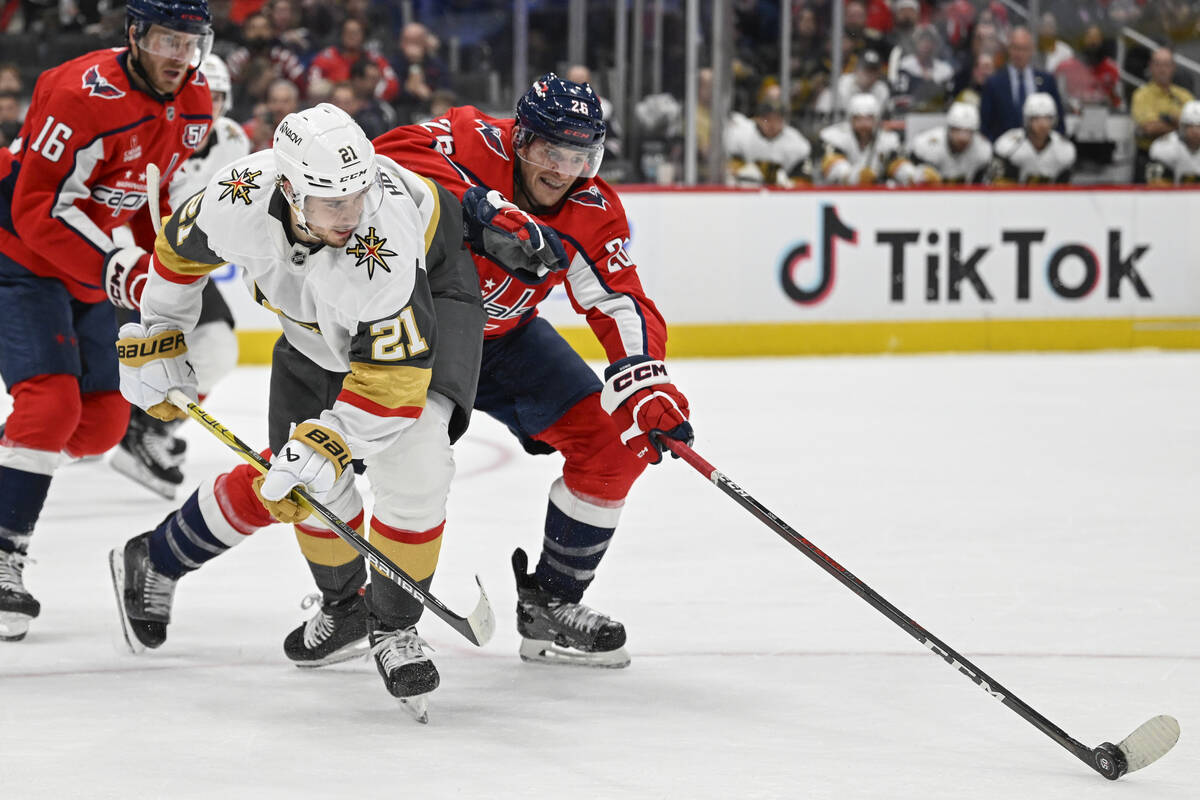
<point>98,86</point>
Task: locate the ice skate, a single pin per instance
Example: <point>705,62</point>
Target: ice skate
<point>144,595</point>
<point>407,672</point>
<point>17,605</point>
<point>336,633</point>
<point>554,631</point>
<point>150,455</point>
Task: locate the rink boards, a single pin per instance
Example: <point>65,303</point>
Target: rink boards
<point>868,271</point>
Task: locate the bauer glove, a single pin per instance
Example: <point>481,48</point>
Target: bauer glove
<point>152,362</point>
<point>645,405</point>
<point>517,240</point>
<point>317,458</point>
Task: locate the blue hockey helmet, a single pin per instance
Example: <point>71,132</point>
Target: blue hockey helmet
<point>567,115</point>
<point>190,17</point>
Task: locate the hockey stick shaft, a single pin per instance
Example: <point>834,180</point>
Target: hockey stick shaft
<point>476,628</point>
<point>1109,768</point>
<point>153,178</point>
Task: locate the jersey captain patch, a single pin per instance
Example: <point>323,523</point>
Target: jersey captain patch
<point>98,86</point>
<point>370,250</point>
<point>238,185</point>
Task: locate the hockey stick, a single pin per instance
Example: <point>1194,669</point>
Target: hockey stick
<point>1150,742</point>
<point>152,178</point>
<point>477,627</point>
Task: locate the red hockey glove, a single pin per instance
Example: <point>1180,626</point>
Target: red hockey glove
<point>125,273</point>
<point>497,228</point>
<point>646,405</point>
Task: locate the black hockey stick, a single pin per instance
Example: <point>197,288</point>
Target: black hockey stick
<point>1150,742</point>
<point>477,627</point>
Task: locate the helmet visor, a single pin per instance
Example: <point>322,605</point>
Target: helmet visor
<point>343,212</point>
<point>176,45</point>
<point>573,161</point>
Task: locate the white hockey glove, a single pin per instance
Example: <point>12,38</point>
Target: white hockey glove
<point>317,458</point>
<point>153,361</point>
<point>125,273</point>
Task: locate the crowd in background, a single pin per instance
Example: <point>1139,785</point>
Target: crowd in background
<point>388,62</point>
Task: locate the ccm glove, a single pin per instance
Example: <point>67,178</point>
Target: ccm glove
<point>152,361</point>
<point>646,405</point>
<point>316,457</point>
<point>125,273</point>
<point>497,228</point>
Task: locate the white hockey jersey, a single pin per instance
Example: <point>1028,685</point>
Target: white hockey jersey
<point>1017,161</point>
<point>932,148</point>
<point>1172,162</point>
<point>758,161</point>
<point>226,143</point>
<point>844,159</point>
<point>364,309</point>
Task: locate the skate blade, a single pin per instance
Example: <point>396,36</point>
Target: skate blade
<point>350,652</point>
<point>126,464</point>
<point>537,651</point>
<point>416,706</point>
<point>116,566</point>
<point>13,626</point>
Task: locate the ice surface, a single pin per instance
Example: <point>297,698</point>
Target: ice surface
<point>1037,512</point>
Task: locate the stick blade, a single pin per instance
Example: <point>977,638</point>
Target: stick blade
<point>482,620</point>
<point>1150,742</point>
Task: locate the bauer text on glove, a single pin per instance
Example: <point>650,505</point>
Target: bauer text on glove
<point>316,457</point>
<point>152,361</point>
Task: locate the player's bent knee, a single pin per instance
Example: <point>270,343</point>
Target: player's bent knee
<point>46,411</point>
<point>102,423</point>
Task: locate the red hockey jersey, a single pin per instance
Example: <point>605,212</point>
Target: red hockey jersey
<point>467,148</point>
<point>78,168</point>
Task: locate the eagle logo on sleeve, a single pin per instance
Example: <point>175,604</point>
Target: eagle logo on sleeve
<point>491,137</point>
<point>370,250</point>
<point>97,86</point>
<point>590,196</point>
<point>238,185</point>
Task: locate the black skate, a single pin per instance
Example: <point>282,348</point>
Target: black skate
<point>554,631</point>
<point>150,455</point>
<point>17,605</point>
<point>336,633</point>
<point>407,672</point>
<point>144,595</point>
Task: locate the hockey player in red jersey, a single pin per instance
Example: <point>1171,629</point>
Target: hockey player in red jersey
<point>76,172</point>
<point>537,217</point>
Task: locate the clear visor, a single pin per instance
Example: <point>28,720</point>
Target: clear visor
<point>568,160</point>
<point>344,212</point>
<point>176,45</point>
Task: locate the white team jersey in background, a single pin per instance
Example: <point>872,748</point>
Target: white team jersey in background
<point>839,139</point>
<point>227,143</point>
<point>1015,154</point>
<point>1170,152</point>
<point>766,161</point>
<point>932,147</point>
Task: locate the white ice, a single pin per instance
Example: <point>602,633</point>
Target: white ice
<point>1037,512</point>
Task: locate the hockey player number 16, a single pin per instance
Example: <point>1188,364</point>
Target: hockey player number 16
<point>53,149</point>
<point>388,344</point>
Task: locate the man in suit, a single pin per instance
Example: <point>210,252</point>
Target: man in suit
<point>1005,92</point>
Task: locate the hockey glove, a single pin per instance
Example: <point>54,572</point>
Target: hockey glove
<point>125,273</point>
<point>646,406</point>
<point>497,228</point>
<point>316,457</point>
<point>153,361</point>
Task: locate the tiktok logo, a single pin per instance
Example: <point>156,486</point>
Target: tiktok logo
<point>832,229</point>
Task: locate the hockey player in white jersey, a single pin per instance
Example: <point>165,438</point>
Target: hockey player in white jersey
<point>1035,153</point>
<point>955,153</point>
<point>363,262</point>
<point>150,453</point>
<point>766,151</point>
<point>859,153</point>
<point>1175,157</point>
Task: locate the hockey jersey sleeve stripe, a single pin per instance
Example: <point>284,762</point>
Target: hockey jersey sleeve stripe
<point>378,410</point>
<point>386,390</point>
<point>177,268</point>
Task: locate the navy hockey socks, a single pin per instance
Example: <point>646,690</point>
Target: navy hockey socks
<point>572,548</point>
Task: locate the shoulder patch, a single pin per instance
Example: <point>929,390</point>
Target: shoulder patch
<point>590,196</point>
<point>98,86</point>
<point>491,137</point>
<point>238,185</point>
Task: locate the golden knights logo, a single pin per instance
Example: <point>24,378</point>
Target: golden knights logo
<point>370,250</point>
<point>239,184</point>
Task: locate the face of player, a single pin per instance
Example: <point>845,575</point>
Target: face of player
<point>334,219</point>
<point>165,55</point>
<point>218,100</point>
<point>548,170</point>
<point>863,127</point>
<point>1191,135</point>
<point>1040,127</point>
<point>959,139</point>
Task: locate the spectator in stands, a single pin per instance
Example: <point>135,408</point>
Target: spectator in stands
<point>924,82</point>
<point>442,101</point>
<point>1175,157</point>
<point>984,39</point>
<point>10,78</point>
<point>332,65</point>
<point>866,78</point>
<point>374,116</point>
<point>858,152</point>
<point>862,38</point>
<point>810,74</point>
<point>10,117</point>
<point>958,22</point>
<point>612,141</point>
<point>1005,93</point>
<point>954,153</point>
<point>1155,107</point>
<point>972,92</point>
<point>282,99</point>
<point>342,95</point>
<point>906,15</point>
<point>420,72</point>
<point>1090,78</point>
<point>289,30</point>
<point>1051,50</point>
<point>1035,152</point>
<point>765,150</point>
<point>259,62</point>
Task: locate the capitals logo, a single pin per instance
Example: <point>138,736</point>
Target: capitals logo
<point>590,197</point>
<point>491,137</point>
<point>97,86</point>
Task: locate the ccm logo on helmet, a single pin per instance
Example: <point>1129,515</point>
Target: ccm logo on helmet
<point>351,177</point>
<point>639,374</point>
<point>291,134</point>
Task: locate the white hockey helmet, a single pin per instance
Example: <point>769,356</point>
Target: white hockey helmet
<point>1190,115</point>
<point>964,116</point>
<point>863,105</point>
<point>217,75</point>
<point>323,154</point>
<point>1039,104</point>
